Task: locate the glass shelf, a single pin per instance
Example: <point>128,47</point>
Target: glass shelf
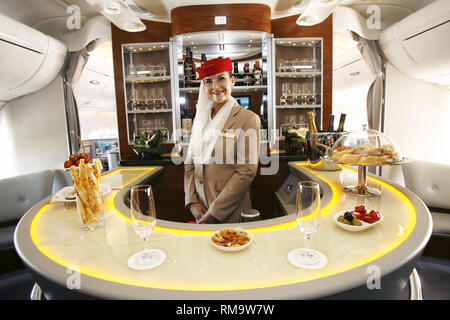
<point>303,74</point>
<point>149,111</point>
<point>138,79</point>
<point>299,106</point>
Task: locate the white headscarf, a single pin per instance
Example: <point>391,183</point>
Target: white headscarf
<point>206,131</point>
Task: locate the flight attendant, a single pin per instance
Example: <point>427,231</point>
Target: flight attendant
<point>223,155</point>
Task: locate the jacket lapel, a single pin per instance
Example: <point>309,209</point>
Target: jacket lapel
<point>232,118</point>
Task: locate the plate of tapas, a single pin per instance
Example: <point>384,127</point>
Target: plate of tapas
<point>231,239</point>
<point>357,219</point>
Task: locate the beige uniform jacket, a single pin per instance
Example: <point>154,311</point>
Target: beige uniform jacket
<point>224,188</point>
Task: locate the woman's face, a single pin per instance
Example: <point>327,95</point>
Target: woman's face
<point>219,87</point>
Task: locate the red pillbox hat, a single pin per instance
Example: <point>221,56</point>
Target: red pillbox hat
<point>214,66</point>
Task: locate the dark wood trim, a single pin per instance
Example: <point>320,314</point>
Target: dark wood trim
<point>188,19</point>
<point>155,32</point>
<point>288,28</point>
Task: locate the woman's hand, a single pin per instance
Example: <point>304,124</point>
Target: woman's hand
<point>198,210</point>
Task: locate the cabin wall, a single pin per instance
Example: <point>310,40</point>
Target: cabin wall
<point>33,134</point>
<point>417,117</point>
<point>350,99</point>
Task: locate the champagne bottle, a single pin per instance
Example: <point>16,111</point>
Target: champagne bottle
<point>341,123</point>
<point>331,124</point>
<point>312,123</point>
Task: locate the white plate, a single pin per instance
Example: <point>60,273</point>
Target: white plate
<point>349,227</point>
<point>60,196</point>
<point>250,236</point>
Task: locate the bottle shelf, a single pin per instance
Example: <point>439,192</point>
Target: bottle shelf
<point>301,74</point>
<point>299,106</point>
<point>137,79</point>
<point>235,89</point>
<point>149,111</point>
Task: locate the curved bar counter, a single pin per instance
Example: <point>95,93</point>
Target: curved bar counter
<point>67,262</point>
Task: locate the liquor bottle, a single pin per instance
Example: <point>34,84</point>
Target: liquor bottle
<point>341,123</point>
<point>236,74</point>
<point>247,75</point>
<point>203,58</point>
<point>186,120</point>
<point>187,67</point>
<point>193,70</point>
<point>257,74</point>
<point>331,124</point>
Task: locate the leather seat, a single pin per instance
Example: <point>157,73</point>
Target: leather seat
<point>17,195</point>
<point>431,183</point>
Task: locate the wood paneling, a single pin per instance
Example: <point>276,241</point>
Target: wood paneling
<point>155,32</point>
<point>287,28</point>
<point>255,17</point>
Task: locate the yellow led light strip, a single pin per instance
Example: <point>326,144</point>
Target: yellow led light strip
<point>337,193</point>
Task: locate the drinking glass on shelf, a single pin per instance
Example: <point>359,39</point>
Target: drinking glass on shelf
<point>308,221</point>
<point>143,217</point>
<point>289,97</point>
<point>283,93</point>
<point>131,70</point>
<point>160,97</point>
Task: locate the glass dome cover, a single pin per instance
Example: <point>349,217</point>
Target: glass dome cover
<point>365,147</point>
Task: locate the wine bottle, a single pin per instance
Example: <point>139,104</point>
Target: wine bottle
<point>311,140</point>
<point>331,124</point>
<point>341,123</point>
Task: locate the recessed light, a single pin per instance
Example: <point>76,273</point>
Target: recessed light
<point>220,20</point>
<point>111,7</point>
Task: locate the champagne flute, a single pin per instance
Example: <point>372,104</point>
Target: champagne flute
<point>143,217</point>
<point>308,221</point>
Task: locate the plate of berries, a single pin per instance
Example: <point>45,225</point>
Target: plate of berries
<point>357,219</point>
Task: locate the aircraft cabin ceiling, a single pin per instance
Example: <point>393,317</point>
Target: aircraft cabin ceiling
<point>50,15</point>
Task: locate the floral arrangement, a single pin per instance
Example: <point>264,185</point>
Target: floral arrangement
<point>294,140</point>
<point>148,145</point>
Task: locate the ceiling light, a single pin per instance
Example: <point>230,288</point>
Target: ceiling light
<point>94,82</point>
<point>111,7</point>
<point>134,26</point>
<point>220,20</point>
